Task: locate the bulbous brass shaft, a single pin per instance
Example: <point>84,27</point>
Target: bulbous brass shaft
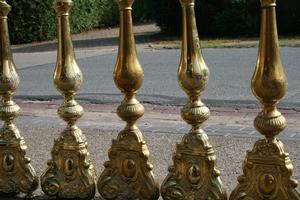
<point>16,172</point>
<point>70,173</point>
<point>193,175</point>
<point>267,168</point>
<point>128,174</point>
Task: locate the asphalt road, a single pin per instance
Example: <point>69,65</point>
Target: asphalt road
<point>229,85</point>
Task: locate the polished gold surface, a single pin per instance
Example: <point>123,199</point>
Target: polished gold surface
<point>70,173</point>
<point>267,168</point>
<point>128,174</point>
<point>193,175</point>
<point>16,173</point>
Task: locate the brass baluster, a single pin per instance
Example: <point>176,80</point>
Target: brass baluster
<point>267,168</point>
<point>193,175</point>
<point>128,174</point>
<point>16,172</point>
<point>70,173</point>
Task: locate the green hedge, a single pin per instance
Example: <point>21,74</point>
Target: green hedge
<point>167,14</point>
<point>235,19</point>
<point>34,20</point>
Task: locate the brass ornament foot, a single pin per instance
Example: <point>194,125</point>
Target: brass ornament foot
<point>70,173</point>
<point>267,174</point>
<point>128,174</point>
<point>193,175</point>
<point>16,173</point>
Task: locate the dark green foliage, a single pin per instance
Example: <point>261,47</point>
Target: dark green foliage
<point>288,15</point>
<point>142,10</point>
<point>31,20</point>
<point>34,20</point>
<point>235,18</point>
<point>167,14</point>
<point>206,11</point>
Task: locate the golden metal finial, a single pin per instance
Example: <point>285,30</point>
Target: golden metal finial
<point>70,173</point>
<point>267,168</point>
<point>193,175</point>
<point>128,174</point>
<point>16,172</point>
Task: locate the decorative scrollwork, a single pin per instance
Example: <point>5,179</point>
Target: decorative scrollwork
<point>128,175</point>
<point>267,174</point>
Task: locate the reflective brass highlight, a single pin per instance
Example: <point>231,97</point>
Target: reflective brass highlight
<point>16,172</point>
<point>70,173</point>
<point>128,174</point>
<point>193,175</point>
<point>267,168</point>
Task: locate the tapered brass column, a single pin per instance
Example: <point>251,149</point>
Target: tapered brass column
<point>267,168</point>
<point>128,174</point>
<point>16,173</point>
<point>70,173</point>
<point>193,175</point>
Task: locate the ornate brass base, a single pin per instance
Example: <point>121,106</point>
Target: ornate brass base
<point>193,175</point>
<point>70,173</point>
<point>267,174</point>
<point>128,175</point>
<point>16,173</point>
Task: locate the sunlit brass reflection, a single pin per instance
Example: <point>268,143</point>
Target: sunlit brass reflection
<point>128,174</point>
<point>267,168</point>
<point>16,173</point>
<point>193,175</point>
<point>70,173</point>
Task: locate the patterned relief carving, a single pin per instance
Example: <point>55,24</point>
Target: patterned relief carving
<point>267,174</point>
